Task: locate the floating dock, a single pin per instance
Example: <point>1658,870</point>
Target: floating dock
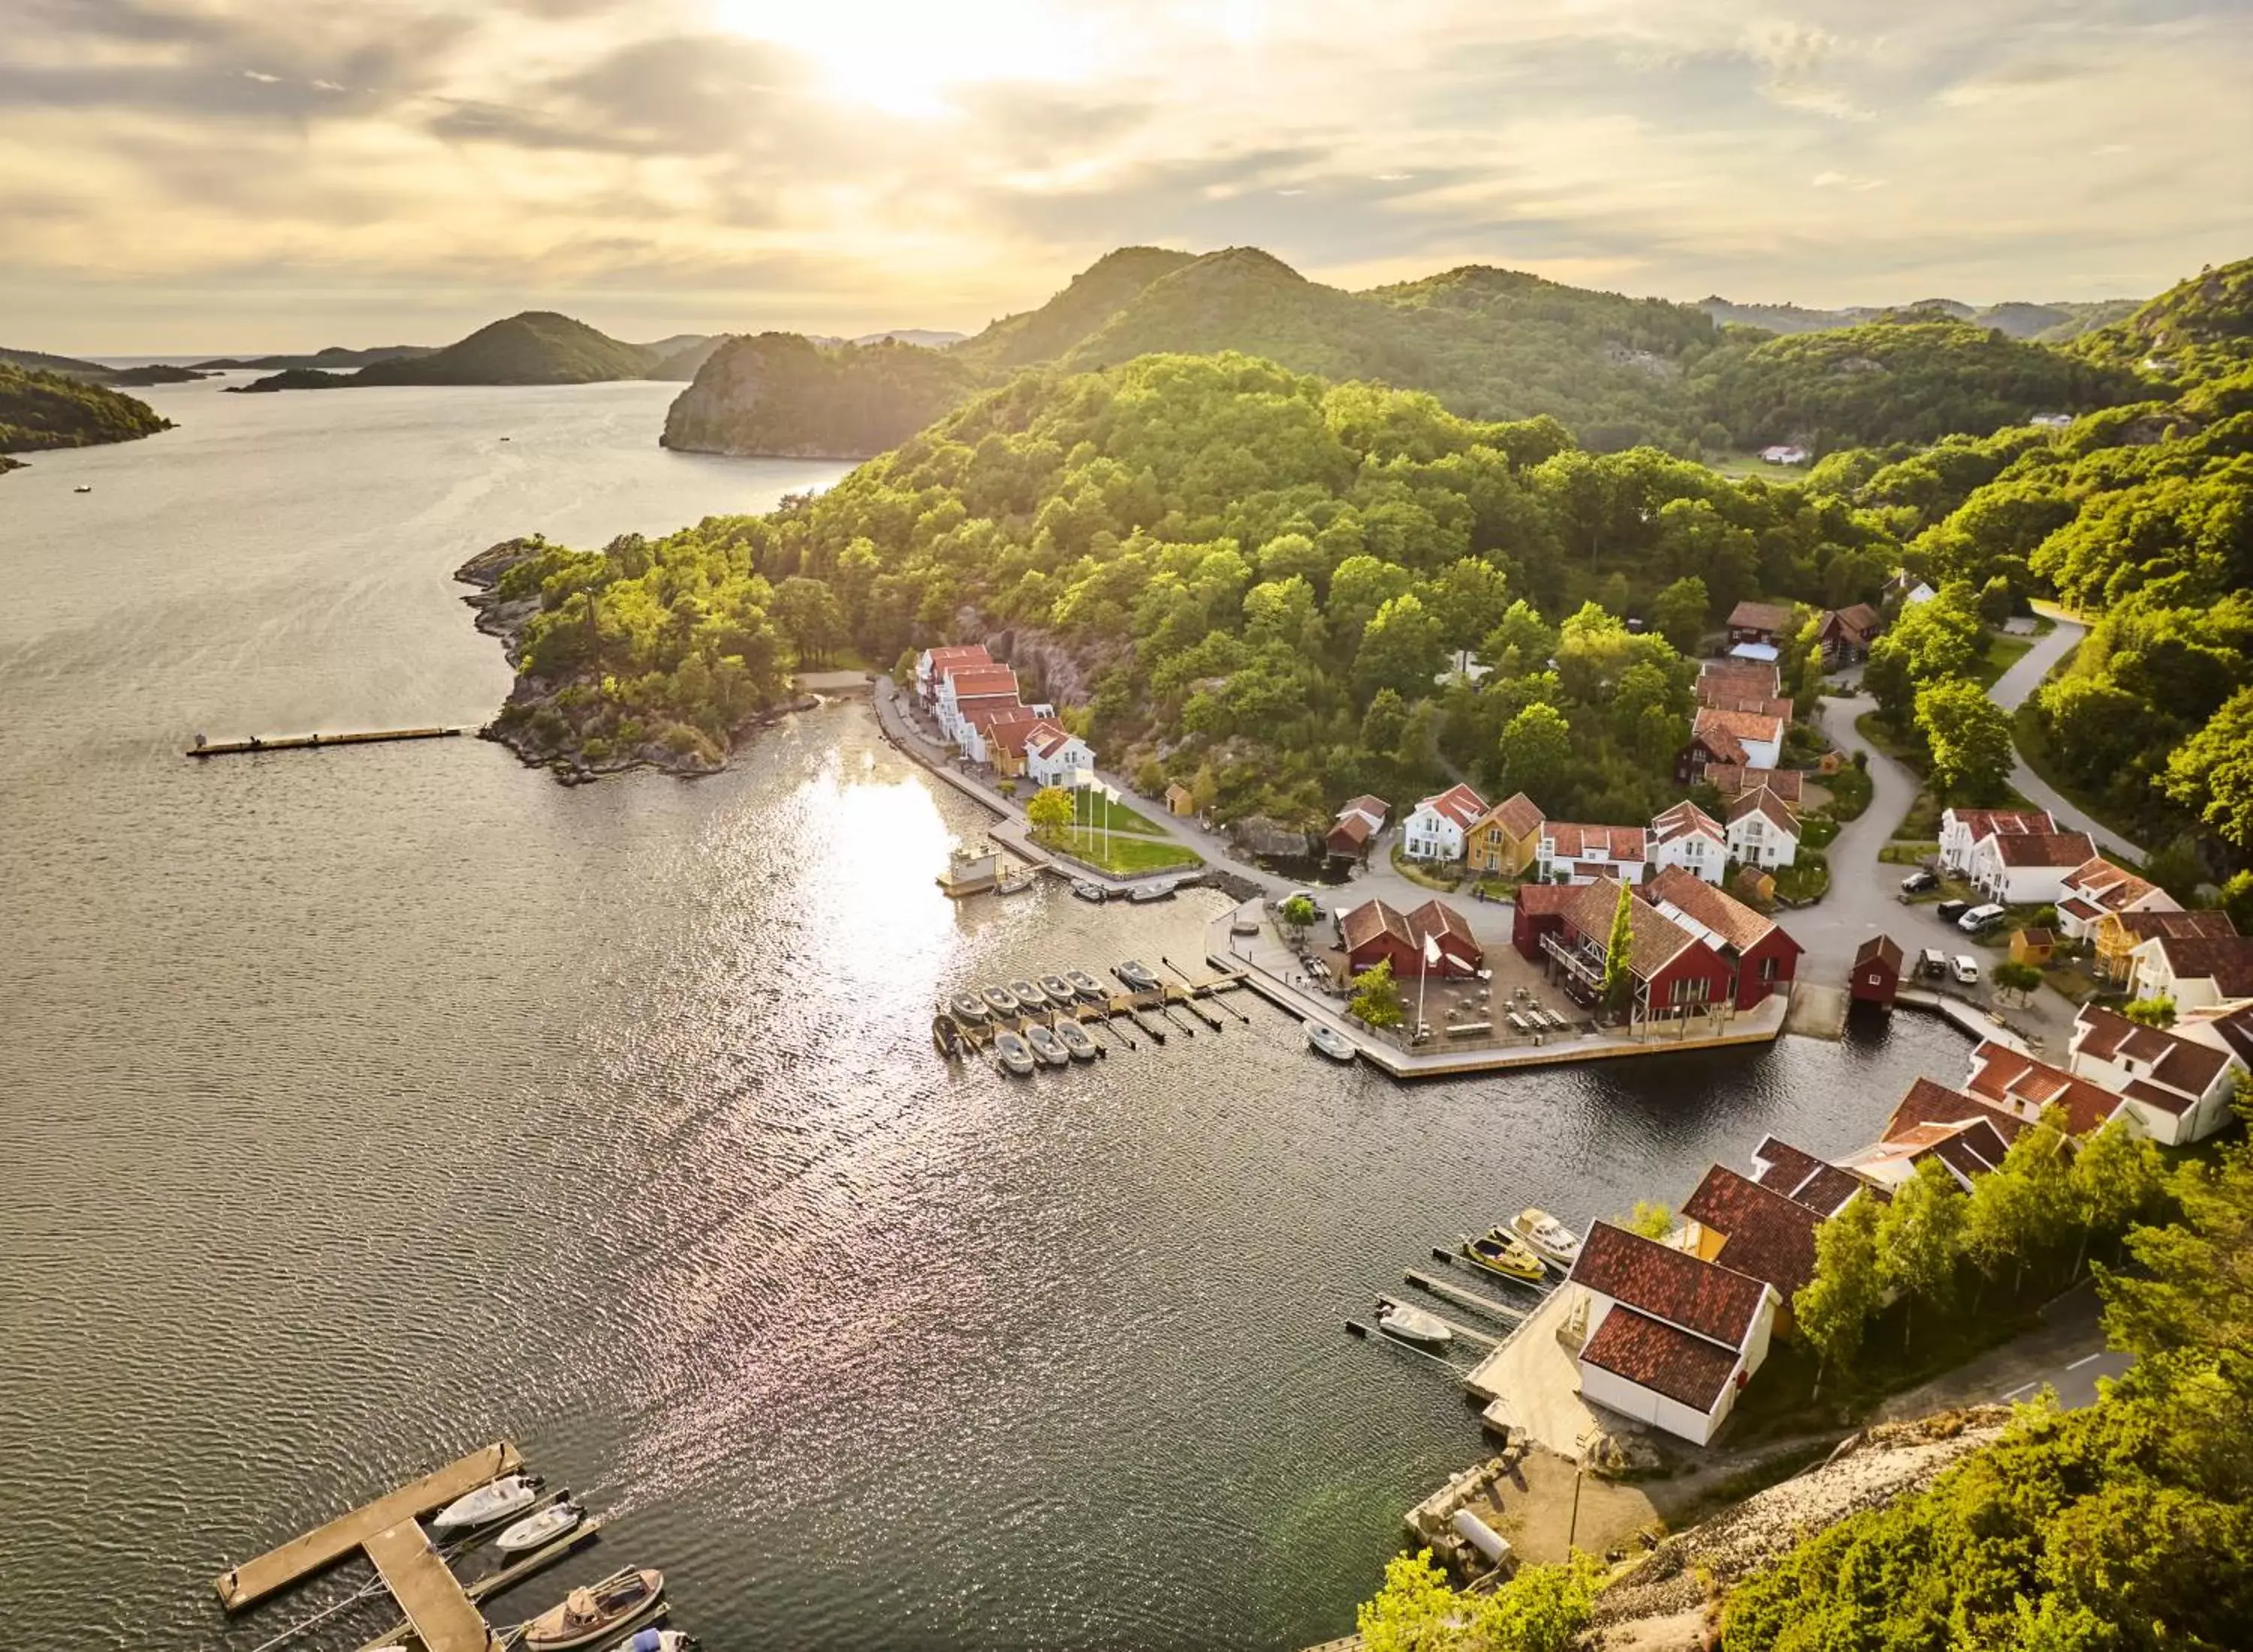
<point>308,742</point>
<point>444,1617</point>
<point>323,1547</point>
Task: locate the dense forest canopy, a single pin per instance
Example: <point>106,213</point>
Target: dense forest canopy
<point>781,394</point>
<point>40,409</point>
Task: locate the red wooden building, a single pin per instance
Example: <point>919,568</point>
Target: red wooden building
<point>1761,955</point>
<point>1877,972</point>
<point>1674,971</point>
<point>1374,933</point>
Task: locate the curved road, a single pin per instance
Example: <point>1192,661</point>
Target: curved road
<point>2010,692</point>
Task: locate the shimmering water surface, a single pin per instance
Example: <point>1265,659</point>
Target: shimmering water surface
<point>362,1107</point>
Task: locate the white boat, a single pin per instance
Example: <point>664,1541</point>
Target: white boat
<point>1413,1324</point>
<point>1330,1041</point>
<point>1075,1039</point>
<point>1085,985</point>
<point>1137,977</point>
<point>537,1529</point>
<point>497,1500</point>
<point>999,1000</point>
<point>1048,1046</point>
<point>1088,892</point>
<point>967,1007</point>
<point>1011,1055</point>
<point>1028,995</point>
<point>1143,894</point>
<point>656,1641</point>
<point>1057,989</point>
<point>1552,1239</point>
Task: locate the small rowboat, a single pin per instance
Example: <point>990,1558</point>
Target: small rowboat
<point>1548,1237</point>
<point>1074,1038</point>
<point>1330,1041</point>
<point>1087,891</point>
<point>1413,1324</point>
<point>1028,995</point>
<point>967,1007</point>
<point>1503,1256</point>
<point>1011,1054</point>
<point>534,1530</point>
<point>1047,1046</point>
<point>1143,894</point>
<point>497,1500</point>
<point>1057,989</point>
<point>1085,985</point>
<point>999,1001</point>
<point>1137,977</point>
<point>598,1611</point>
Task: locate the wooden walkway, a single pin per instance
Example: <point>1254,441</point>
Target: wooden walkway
<point>302,1556</point>
<point>428,1591</point>
<point>309,742</point>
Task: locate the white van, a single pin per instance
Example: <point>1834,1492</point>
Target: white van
<point>1979,918</point>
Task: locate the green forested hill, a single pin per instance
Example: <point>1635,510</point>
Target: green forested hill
<point>2197,329</point>
<point>536,347</point>
<point>779,394</point>
<point>49,410</point>
<point>1094,296</point>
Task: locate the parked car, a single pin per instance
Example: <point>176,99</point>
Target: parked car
<point>1932,963</point>
<point>1980,919</point>
<point>1307,896</point>
<point>1965,970</point>
<point>1948,911</point>
<point>1920,880</point>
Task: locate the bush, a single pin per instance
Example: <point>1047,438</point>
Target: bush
<point>1851,790</point>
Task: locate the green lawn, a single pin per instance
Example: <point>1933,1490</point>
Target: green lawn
<point>1124,854</point>
<point>1422,872</point>
<point>1094,809</point>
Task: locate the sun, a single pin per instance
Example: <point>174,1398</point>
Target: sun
<point>905,56</point>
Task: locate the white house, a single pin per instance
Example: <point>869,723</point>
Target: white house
<point>1435,829</point>
<point>1687,837</point>
<point>1753,739</point>
<point>934,663</point>
<point>2097,887</point>
<point>1054,756</point>
<point>1670,1340</point>
<point>961,689</point>
<point>996,734</point>
<point>1785,453</point>
<point>1960,829</point>
<point>2177,1086</point>
<point>2052,420</point>
<point>1575,853</point>
<point>2198,972</point>
<point>2029,869</point>
<point>1762,830</point>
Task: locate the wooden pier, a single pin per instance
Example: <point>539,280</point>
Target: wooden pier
<point>1170,1006</point>
<point>444,1617</point>
<point>1475,1302</point>
<point>507,1577</point>
<point>323,1547</point>
<point>308,742</point>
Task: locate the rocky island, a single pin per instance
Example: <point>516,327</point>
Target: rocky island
<point>41,410</point>
<point>536,347</point>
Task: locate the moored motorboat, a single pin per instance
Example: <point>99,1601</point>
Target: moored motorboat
<point>1088,892</point>
<point>1413,1324</point>
<point>999,999</point>
<point>1502,1254</point>
<point>967,1007</point>
<point>1137,977</point>
<point>1330,1041</point>
<point>535,1530</point>
<point>1057,989</point>
<point>1046,1045</point>
<point>1143,894</point>
<point>1028,995</point>
<point>1085,985</point>
<point>1548,1237</point>
<point>496,1500</point>
<point>1076,1041</point>
<point>598,1611</point>
<point>1012,1054</point>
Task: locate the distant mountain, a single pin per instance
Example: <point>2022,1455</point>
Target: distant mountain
<point>40,410</point>
<point>779,394</point>
<point>688,354</point>
<point>2048,324</point>
<point>335,359</point>
<point>96,372</point>
<point>536,347</point>
<point>2198,329</point>
<point>929,338</point>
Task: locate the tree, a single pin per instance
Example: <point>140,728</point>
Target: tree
<point>1919,1238</point>
<point>1970,738</point>
<point>2212,772</point>
<point>2196,1300</point>
<point>1050,813</point>
<point>811,616</point>
<point>1385,722</point>
<point>1619,976</point>
<point>1831,1310</point>
<point>2020,981</point>
<point>2151,1012</point>
<point>1298,912</point>
<point>1679,612</point>
<point>2115,1178</point>
<point>1400,650</point>
<point>2017,1211</point>
<point>1541,1609</point>
<point>1537,749</point>
<point>1649,1218</point>
<point>1377,995</point>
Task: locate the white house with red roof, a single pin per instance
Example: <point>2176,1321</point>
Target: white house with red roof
<point>2029,869</point>
<point>1570,853</point>
<point>1762,830</point>
<point>1435,828</point>
<point>2177,1086</point>
<point>1054,756</point>
<point>2022,1086</point>
<point>1963,830</point>
<point>1668,1339</point>
<point>1749,739</point>
<point>2096,887</point>
<point>934,663</point>
<point>1687,837</point>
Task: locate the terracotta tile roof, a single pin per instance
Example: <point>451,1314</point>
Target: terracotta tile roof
<point>1729,779</point>
<point>994,716</point>
<point>2207,924</point>
<point>1928,1102</point>
<point>1654,940</point>
<point>1570,841</point>
<point>2026,1086</point>
<point>1376,808</point>
<point>1751,615</point>
<point>1686,819</point>
<point>1669,1285</point>
<point>1738,680</point>
<point>1973,1149</point>
<point>1749,705</point>
<point>1770,1236</point>
<point>1713,909</point>
<point>2227,963</point>
<point>960,654</point>
<point>1739,726</point>
<point>2110,887</point>
<point>1459,803</point>
<point>1544,900</point>
<point>1684,1368</point>
<point>1782,1165</point>
<point>1985,823</point>
<point>1763,802</point>
<point>2079,909</point>
<point>981,679</point>
<point>1878,949</point>
<point>1354,828</point>
<point>1437,917</point>
<point>1364,923</point>
<point>1827,1190</point>
<point>2185,1064</point>
<point>1518,814</point>
<point>2043,848</point>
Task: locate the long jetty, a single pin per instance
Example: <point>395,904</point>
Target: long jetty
<point>309,742</point>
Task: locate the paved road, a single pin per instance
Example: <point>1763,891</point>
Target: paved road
<point>2010,692</point>
<point>2067,1351</point>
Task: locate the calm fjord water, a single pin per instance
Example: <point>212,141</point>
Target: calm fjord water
<point>362,1107</point>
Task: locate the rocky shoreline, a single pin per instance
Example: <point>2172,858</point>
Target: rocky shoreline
<point>537,724</point>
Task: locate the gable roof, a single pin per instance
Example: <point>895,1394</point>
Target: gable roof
<point>2208,923</point>
<point>1572,841</point>
<point>1047,737</point>
<point>1436,917</point>
<point>1354,827</point>
<point>1985,823</point>
<point>2110,887</point>
<point>1657,1279</point>
<point>1878,949</point>
<point>1763,802</point>
<point>2042,848</point>
<point>1546,900</point>
<point>1362,924</point>
<point>2232,1031</point>
<point>1375,808</point>
<point>1710,908</point>
<point>1458,803</point>
<point>958,654</point>
<point>1686,819</point>
<point>2186,1066</point>
<point>1654,940</point>
<point>2226,961</point>
<point>1516,814</point>
<point>1751,615</point>
<point>1658,1356</point>
<point>1858,617</point>
<point>2026,1086</point>
<point>973,679</point>
<point>1770,1236</point>
<point>1737,679</point>
<point>1000,717</point>
<point>1730,778</point>
<point>1713,722</point>
<point>1929,1103</point>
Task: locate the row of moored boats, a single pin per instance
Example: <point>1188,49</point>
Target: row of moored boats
<point>1523,1252</point>
<point>1046,1033</point>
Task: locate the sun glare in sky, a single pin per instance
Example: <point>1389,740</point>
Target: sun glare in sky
<point>902,56</point>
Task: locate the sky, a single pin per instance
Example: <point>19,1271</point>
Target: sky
<point>181,174</point>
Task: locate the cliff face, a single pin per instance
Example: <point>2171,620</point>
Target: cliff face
<point>779,395</point>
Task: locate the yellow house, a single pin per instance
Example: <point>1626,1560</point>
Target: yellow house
<point>2031,946</point>
<point>1180,799</point>
<point>1505,839</point>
